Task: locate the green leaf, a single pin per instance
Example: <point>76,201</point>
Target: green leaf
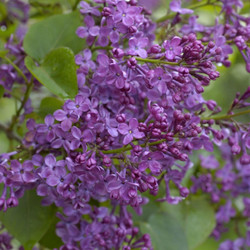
<point>199,222</point>
<point>1,91</point>
<point>196,217</point>
<point>166,233</point>
<point>148,209</point>
<point>3,11</point>
<point>29,221</point>
<point>53,32</point>
<point>50,239</point>
<point>6,31</point>
<point>57,72</point>
<point>49,105</point>
<point>45,2</point>
<point>236,228</point>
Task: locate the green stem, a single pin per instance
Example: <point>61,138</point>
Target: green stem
<point>10,134</point>
<point>226,117</point>
<point>155,61</point>
<point>25,99</point>
<point>76,4</point>
<point>192,7</point>
<point>139,59</point>
<point>19,71</point>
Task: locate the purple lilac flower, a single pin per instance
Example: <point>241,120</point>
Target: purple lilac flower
<point>116,76</point>
<point>209,162</point>
<point>151,161</point>
<point>23,172</point>
<point>130,131</point>
<point>172,48</point>
<point>175,6</point>
<point>126,13</point>
<point>90,31</point>
<point>136,46</point>
<point>85,8</point>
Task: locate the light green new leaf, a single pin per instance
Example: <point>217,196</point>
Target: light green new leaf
<point>57,72</point>
<point>29,221</point>
<point>53,32</point>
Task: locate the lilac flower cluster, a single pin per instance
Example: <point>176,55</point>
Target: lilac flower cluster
<point>138,116</point>
<point>235,31</point>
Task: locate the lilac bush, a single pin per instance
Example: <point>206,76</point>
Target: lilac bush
<point>124,124</point>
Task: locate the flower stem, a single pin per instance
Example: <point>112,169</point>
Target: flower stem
<point>226,117</point>
<point>19,71</point>
<point>155,61</point>
<point>25,99</point>
<point>10,134</point>
<point>76,4</point>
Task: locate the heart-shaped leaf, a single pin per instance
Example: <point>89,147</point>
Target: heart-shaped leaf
<point>53,32</point>
<point>29,221</point>
<point>165,231</point>
<point>57,72</point>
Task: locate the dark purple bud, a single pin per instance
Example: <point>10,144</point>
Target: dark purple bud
<point>218,51</point>
<point>245,159</point>
<point>240,42</point>
<point>155,49</point>
<point>132,193</point>
<point>192,37</point>
<point>126,87</point>
<point>174,151</point>
<point>121,231</point>
<point>183,157</point>
<point>106,161</point>
<point>137,149</point>
<point>156,132</point>
<point>132,29</point>
<point>80,158</point>
<point>142,127</point>
<point>136,174</point>
<point>177,98</point>
<point>236,149</point>
<point>118,53</point>
<point>135,231</point>
<point>184,192</point>
<point>12,202</point>
<point>114,195</point>
<point>121,118</point>
<point>211,104</point>
<point>199,89</point>
<point>211,45</point>
<point>143,187</point>
<point>133,2</point>
<point>106,11</point>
